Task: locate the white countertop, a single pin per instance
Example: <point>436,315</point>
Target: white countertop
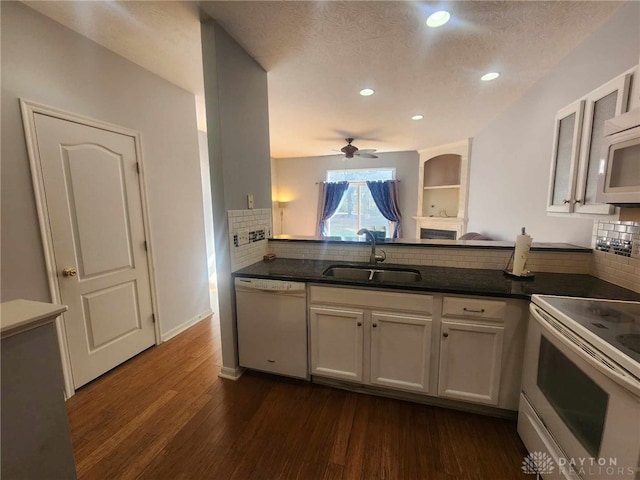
<point>18,316</point>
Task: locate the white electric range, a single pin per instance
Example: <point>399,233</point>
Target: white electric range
<point>580,401</point>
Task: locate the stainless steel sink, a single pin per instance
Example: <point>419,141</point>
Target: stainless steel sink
<point>349,273</point>
<point>402,276</point>
<point>373,274</point>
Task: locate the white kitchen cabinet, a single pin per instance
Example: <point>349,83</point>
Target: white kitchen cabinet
<point>462,348</point>
<point>576,148</point>
<point>371,337</point>
<point>566,149</point>
<point>336,340</point>
<point>400,351</point>
<point>470,361</point>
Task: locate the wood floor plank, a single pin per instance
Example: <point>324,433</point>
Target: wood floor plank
<point>166,414</point>
<point>114,441</point>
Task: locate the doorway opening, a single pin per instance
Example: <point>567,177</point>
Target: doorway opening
<point>208,221</point>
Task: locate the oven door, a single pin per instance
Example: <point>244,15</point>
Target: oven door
<point>573,392</point>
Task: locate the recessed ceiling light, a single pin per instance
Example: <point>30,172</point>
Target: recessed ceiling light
<point>365,92</point>
<point>438,19</point>
<point>417,117</point>
<point>489,76</point>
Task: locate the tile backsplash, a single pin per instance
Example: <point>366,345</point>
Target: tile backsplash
<point>248,232</point>
<point>464,257</point>
<point>616,255</point>
<point>616,237</point>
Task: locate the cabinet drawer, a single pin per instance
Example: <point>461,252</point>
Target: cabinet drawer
<point>473,308</point>
<point>411,302</point>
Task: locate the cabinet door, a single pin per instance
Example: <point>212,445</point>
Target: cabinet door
<point>566,149</point>
<point>470,362</point>
<point>400,349</point>
<point>602,104</point>
<point>336,343</point>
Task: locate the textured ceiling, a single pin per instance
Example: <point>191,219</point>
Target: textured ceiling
<point>318,55</point>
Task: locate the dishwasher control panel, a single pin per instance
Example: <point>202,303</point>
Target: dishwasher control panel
<point>272,285</point>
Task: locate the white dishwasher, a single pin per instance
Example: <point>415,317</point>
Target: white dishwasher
<point>272,326</point>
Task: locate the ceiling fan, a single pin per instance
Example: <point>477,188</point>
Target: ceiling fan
<point>351,150</point>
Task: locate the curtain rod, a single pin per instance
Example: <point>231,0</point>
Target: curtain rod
<point>318,183</point>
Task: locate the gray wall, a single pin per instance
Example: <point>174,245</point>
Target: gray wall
<point>48,63</point>
<point>238,140</point>
<point>511,157</point>
<point>296,183</point>
<point>244,125</point>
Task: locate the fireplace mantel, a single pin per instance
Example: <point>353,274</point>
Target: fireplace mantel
<point>459,225</point>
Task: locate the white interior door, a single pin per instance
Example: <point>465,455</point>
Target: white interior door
<point>94,205</point>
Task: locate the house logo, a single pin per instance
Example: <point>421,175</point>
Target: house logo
<point>538,463</point>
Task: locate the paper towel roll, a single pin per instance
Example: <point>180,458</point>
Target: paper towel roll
<point>523,244</point>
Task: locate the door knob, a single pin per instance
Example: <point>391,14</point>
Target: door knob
<point>69,272</point>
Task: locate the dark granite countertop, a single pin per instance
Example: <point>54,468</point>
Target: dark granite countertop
<point>468,281</point>
<point>416,242</point>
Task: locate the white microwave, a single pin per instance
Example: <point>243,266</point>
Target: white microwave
<point>619,168</point>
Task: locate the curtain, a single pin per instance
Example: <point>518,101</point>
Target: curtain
<point>330,196</point>
<point>385,194</point>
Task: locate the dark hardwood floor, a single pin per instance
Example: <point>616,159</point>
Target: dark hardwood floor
<point>166,415</point>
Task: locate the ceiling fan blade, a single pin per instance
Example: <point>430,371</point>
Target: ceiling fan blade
<point>367,150</point>
<point>365,155</point>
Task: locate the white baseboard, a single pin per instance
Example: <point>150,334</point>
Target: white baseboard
<point>231,373</point>
<point>183,326</point>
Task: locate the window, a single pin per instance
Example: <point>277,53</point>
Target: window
<point>357,209</point>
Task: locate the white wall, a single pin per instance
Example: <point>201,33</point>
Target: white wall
<point>296,183</point>
<point>48,63</point>
<point>511,157</point>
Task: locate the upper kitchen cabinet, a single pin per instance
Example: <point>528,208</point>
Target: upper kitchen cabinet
<point>577,144</point>
<point>442,196</point>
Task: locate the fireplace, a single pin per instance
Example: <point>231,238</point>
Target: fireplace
<point>437,234</point>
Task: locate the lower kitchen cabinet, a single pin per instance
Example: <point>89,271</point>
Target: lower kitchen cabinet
<point>460,348</point>
<point>336,342</point>
<point>371,337</point>
<point>400,351</point>
<point>470,362</point>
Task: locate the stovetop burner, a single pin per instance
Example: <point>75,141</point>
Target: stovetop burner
<point>630,340</point>
<point>608,313</point>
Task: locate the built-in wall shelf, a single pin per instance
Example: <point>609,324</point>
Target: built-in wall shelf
<point>440,187</point>
<point>444,177</point>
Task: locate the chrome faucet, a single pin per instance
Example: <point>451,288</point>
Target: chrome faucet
<point>373,258</point>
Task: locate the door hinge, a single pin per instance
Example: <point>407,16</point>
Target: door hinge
<point>153,317</point>
<point>138,167</point>
<point>146,247</point>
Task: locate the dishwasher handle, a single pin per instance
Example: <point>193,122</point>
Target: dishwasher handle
<point>278,287</point>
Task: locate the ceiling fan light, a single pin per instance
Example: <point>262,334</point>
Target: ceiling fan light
<point>438,19</point>
<point>365,92</point>
<point>417,117</point>
<point>487,77</point>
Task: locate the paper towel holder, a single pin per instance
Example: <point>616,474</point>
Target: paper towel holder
<point>526,275</point>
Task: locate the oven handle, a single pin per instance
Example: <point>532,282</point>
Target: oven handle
<point>582,350</point>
